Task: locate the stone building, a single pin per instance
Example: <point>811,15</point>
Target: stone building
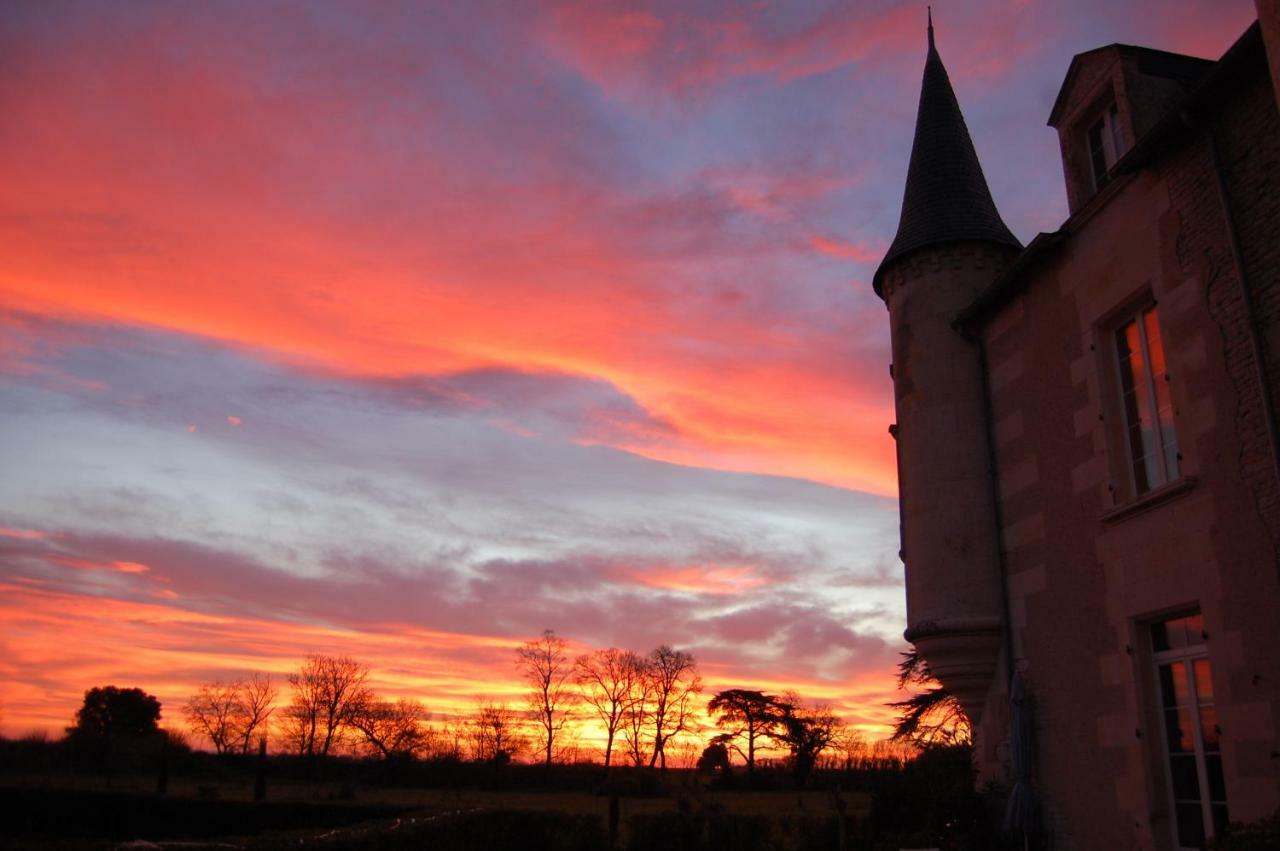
<point>1088,453</point>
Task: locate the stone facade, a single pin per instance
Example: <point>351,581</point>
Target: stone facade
<point>1091,561</point>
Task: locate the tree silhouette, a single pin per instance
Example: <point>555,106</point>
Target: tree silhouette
<point>743,712</point>
<point>546,667</point>
<point>639,711</point>
<point>211,713</point>
<point>257,704</point>
<point>326,691</point>
<point>674,682</point>
<point>109,713</point>
<point>929,717</point>
<point>608,680</point>
<point>494,733</point>
<point>392,729</point>
<point>805,732</point>
<point>715,757</point>
<point>228,714</point>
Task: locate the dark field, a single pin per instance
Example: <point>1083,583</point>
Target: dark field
<point>50,805</point>
<point>77,818</point>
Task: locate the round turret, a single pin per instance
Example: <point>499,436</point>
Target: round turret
<point>951,244</point>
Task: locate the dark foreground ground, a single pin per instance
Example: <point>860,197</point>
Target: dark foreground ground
<point>51,804</point>
<point>45,818</point>
<point>69,818</point>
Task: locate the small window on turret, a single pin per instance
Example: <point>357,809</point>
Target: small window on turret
<point>1106,145</point>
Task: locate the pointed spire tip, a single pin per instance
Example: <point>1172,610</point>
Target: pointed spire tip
<point>929,12</point>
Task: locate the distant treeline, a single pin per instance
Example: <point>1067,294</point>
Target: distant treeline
<point>647,709</point>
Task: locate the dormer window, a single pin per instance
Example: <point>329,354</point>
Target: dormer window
<point>1111,98</point>
<point>1106,145</point>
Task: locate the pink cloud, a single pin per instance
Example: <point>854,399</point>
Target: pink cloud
<point>834,247</point>
<point>24,534</point>
<point>331,268</point>
<point>701,579</point>
<point>687,50</point>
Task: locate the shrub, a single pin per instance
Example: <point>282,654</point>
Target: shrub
<point>1261,835</point>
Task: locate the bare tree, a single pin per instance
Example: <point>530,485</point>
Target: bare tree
<point>494,733</point>
<point>674,682</point>
<point>257,703</point>
<point>455,732</point>
<point>392,729</point>
<point>639,711</point>
<point>608,681</point>
<point>211,712</point>
<point>547,669</point>
<point>228,714</point>
<point>852,748</point>
<point>326,692</point>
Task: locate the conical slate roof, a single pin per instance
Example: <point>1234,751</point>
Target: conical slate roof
<point>946,198</point>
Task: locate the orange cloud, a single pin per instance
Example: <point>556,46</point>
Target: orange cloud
<point>88,564</point>
<point>702,579</point>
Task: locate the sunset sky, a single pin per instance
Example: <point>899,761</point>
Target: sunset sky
<point>408,330</point>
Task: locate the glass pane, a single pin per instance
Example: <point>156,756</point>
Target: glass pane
<point>1190,824</point>
<point>1117,138</point>
<point>1194,626</point>
<point>1155,345</point>
<point>1209,728</point>
<point>1098,155</point>
<point>1172,634</point>
<point>1138,407</point>
<point>1204,682</point>
<point>1173,685</point>
<point>1186,780</point>
<point>1178,731</point>
<point>1217,786</point>
<point>1164,400</point>
<point>1168,692</point>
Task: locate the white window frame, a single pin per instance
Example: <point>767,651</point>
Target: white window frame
<point>1166,470</point>
<point>1187,656</point>
<point>1111,139</point>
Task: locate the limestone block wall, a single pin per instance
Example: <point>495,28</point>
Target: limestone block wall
<point>954,607</point>
<point>1091,565</point>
